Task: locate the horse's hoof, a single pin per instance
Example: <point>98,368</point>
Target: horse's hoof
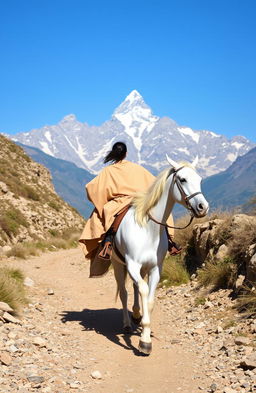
<point>127,329</point>
<point>145,348</point>
<point>136,321</point>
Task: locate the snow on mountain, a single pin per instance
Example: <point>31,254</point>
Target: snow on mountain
<point>147,136</point>
<point>136,117</point>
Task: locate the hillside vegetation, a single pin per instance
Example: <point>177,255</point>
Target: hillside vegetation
<point>73,191</point>
<point>30,209</point>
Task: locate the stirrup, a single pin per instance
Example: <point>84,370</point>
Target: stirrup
<point>174,248</point>
<point>106,252</point>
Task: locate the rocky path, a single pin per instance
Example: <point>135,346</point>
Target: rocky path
<point>70,338</point>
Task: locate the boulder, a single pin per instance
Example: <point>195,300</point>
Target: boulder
<point>251,269</point>
<point>204,238</point>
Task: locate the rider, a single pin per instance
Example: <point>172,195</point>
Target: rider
<point>111,191</point>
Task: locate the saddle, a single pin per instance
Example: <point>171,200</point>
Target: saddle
<point>107,242</point>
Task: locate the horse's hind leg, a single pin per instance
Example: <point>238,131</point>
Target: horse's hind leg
<point>120,276</point>
<point>145,344</point>
<point>136,317</point>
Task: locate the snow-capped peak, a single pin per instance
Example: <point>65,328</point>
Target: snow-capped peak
<point>136,117</point>
<point>134,96</point>
<point>68,118</point>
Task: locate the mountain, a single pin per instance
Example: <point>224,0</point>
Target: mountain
<point>148,139</point>
<point>68,180</point>
<point>235,186</point>
<point>30,209</point>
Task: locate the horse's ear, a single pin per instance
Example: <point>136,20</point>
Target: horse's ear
<point>195,162</point>
<point>171,162</point>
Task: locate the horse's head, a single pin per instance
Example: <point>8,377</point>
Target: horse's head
<point>187,187</point>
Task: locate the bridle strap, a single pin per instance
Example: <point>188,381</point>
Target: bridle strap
<point>186,198</point>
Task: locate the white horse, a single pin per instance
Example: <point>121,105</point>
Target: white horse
<point>142,239</point>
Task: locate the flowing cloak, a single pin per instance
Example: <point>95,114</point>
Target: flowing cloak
<point>110,191</point>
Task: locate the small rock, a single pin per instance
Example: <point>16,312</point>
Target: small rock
<point>74,385</point>
<point>5,307</point>
<point>12,335</point>
<point>13,349</point>
<point>50,291</point>
<point>213,387</point>
<point>242,340</point>
<point>249,363</point>
<point>96,374</point>
<point>175,341</point>
<point>29,282</point>
<point>200,325</point>
<point>9,318</point>
<point>35,379</point>
<point>208,304</point>
<point>239,281</point>
<point>5,358</point>
<point>40,342</point>
<point>5,249</point>
<point>219,330</point>
<point>229,390</point>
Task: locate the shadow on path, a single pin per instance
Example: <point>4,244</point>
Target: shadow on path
<point>107,322</point>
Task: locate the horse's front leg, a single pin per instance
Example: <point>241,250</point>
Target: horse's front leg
<point>153,280</point>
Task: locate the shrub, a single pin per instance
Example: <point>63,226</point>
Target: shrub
<point>10,220</point>
<point>30,193</point>
<point>17,251</point>
<point>246,302</point>
<point>54,205</point>
<point>200,301</point>
<point>184,236</point>
<point>11,287</point>
<point>220,274</point>
<point>174,272</point>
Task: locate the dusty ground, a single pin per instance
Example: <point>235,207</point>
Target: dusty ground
<point>81,328</point>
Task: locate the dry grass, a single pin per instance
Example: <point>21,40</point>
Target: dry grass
<point>241,238</point>
<point>11,220</point>
<point>184,236</point>
<point>219,275</point>
<point>174,272</point>
<point>12,288</point>
<point>246,302</point>
<point>67,239</point>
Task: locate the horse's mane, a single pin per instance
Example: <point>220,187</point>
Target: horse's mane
<point>144,201</point>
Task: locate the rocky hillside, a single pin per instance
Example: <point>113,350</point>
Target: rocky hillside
<point>68,180</point>
<point>29,206</point>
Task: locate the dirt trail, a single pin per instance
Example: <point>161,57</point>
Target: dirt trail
<point>82,326</point>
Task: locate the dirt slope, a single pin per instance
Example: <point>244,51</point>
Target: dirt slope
<point>82,332</point>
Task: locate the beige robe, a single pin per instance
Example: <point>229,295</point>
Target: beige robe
<point>110,191</point>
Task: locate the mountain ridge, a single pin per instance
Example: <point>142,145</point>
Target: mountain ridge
<point>147,136</point>
<point>235,186</point>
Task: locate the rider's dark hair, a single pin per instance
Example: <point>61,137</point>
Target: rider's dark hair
<point>117,153</point>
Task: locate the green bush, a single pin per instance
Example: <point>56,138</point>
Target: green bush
<point>54,205</point>
<point>10,221</point>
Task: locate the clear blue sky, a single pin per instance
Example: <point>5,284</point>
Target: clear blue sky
<point>193,61</point>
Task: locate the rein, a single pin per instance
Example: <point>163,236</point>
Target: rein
<point>169,226</point>
<point>186,198</point>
